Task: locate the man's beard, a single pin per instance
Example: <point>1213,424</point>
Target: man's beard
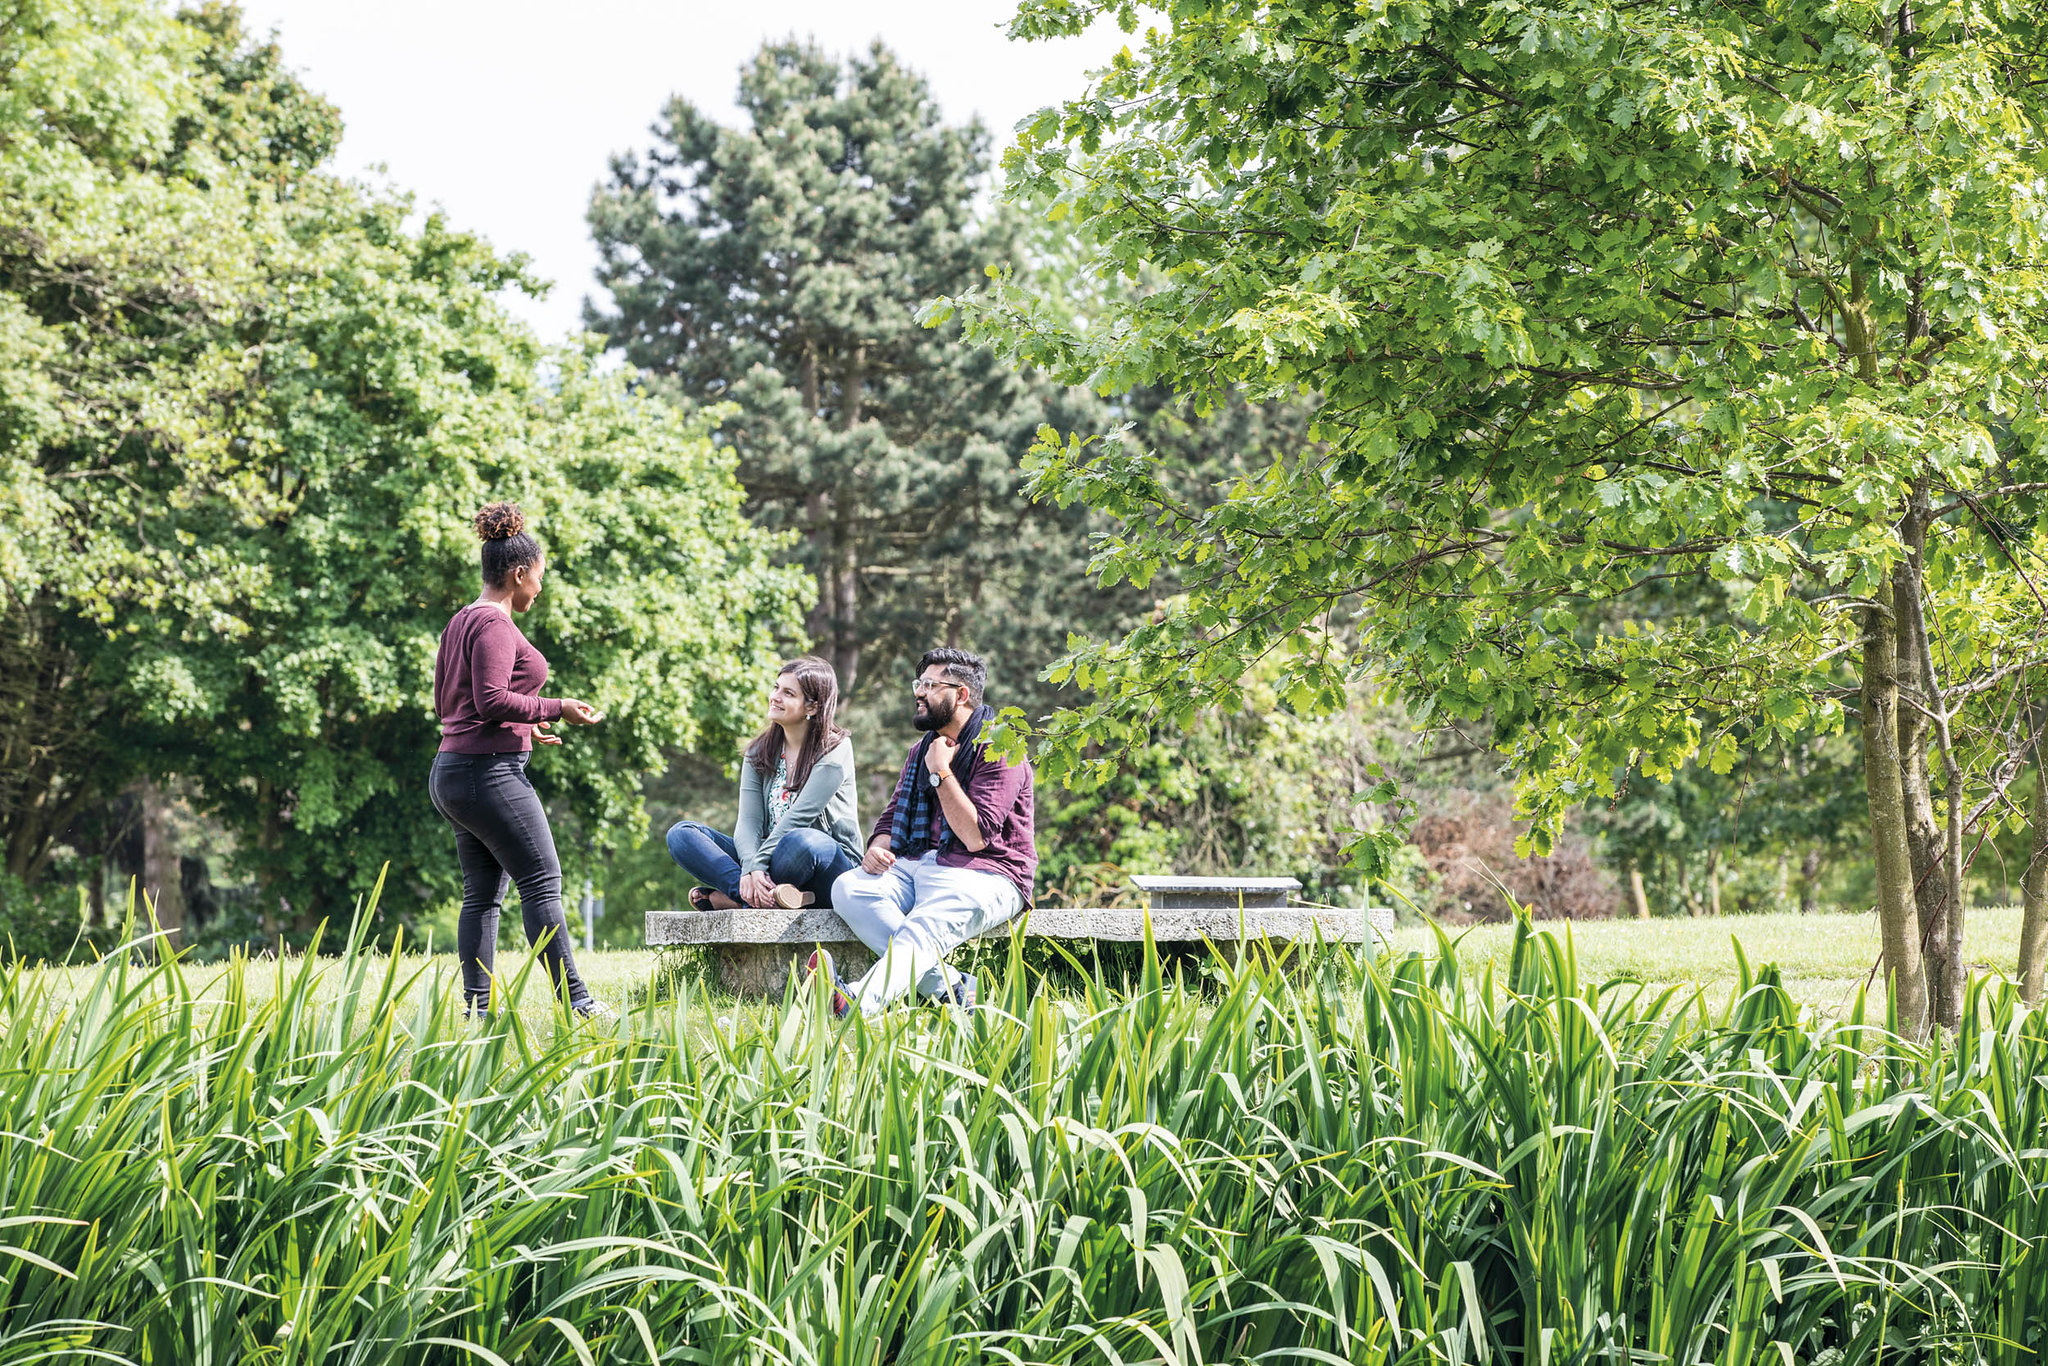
<point>925,717</point>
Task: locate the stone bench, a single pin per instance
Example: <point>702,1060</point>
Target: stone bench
<point>755,949</point>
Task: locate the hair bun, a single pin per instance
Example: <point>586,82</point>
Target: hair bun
<point>500,521</point>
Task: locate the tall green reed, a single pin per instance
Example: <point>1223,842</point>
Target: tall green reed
<point>1371,1161</point>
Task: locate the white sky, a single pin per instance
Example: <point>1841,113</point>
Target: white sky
<point>504,112</point>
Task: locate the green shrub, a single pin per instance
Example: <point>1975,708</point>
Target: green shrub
<point>43,925</point>
<point>1385,1162</point>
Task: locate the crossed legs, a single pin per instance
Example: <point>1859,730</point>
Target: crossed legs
<point>808,858</point>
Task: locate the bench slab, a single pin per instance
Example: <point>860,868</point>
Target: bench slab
<point>812,926</point>
<point>754,951</point>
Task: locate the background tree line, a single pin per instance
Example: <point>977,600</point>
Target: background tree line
<point>249,405</point>
<point>246,407</point>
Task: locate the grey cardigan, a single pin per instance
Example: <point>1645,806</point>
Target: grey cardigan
<point>827,803</point>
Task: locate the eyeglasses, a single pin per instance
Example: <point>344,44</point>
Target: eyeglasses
<point>923,686</point>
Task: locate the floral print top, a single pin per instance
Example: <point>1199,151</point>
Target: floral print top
<point>779,796</point>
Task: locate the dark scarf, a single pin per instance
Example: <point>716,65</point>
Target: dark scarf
<point>917,806</point>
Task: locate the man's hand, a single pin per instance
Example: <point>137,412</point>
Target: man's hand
<point>938,756</point>
<point>757,889</point>
<point>878,859</point>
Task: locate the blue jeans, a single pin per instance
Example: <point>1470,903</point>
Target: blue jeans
<point>809,858</point>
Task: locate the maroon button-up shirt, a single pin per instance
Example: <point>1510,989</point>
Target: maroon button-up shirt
<point>1003,805</point>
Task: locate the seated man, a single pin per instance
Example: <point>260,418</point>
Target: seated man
<point>951,855</point>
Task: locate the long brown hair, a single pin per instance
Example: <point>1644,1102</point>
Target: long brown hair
<point>820,688</point>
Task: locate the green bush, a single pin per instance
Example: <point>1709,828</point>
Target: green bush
<point>43,925</point>
<point>1387,1163</point>
<point>1259,791</point>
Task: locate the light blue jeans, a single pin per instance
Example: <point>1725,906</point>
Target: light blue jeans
<point>912,916</point>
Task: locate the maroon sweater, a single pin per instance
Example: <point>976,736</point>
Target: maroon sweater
<point>487,681</point>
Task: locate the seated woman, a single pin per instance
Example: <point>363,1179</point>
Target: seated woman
<point>798,829</point>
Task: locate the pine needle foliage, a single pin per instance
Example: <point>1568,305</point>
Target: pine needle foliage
<point>1337,1161</point>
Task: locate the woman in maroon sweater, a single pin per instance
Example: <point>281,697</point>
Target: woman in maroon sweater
<point>487,682</point>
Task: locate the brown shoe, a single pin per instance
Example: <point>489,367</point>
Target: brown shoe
<point>791,897</point>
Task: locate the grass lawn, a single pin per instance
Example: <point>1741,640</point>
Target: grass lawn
<point>1823,957</point>
<point>621,978</point>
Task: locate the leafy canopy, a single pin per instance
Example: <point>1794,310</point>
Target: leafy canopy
<point>246,412</point>
<point>1591,297</point>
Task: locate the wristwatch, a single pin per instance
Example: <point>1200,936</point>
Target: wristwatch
<point>937,778</point>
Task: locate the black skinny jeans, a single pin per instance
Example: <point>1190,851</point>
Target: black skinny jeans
<point>501,837</point>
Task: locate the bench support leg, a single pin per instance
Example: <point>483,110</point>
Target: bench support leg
<point>764,969</point>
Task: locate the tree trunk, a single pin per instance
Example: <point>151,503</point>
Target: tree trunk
<point>272,907</point>
<point>1925,840</point>
<point>2034,892</point>
<point>1714,887</point>
<point>845,579</point>
<point>1897,914</point>
<point>161,875</point>
<point>50,730</point>
<point>819,527</point>
<point>1635,891</point>
<point>1809,882</point>
<point>833,620</point>
<point>1945,968</point>
<point>846,613</point>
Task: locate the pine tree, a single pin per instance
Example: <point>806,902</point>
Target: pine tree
<point>780,266</point>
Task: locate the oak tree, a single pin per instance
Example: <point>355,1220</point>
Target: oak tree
<point>246,409</point>
<point>1742,293</point>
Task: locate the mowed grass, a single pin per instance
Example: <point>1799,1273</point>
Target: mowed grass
<point>1824,960</point>
<point>621,978</point>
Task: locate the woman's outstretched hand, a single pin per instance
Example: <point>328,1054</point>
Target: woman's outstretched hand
<point>575,713</point>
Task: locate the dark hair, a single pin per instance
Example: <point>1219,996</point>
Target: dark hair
<point>962,667</point>
<point>820,687</point>
<point>506,545</point>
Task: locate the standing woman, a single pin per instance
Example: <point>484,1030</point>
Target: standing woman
<point>487,682</point>
<point>798,827</point>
